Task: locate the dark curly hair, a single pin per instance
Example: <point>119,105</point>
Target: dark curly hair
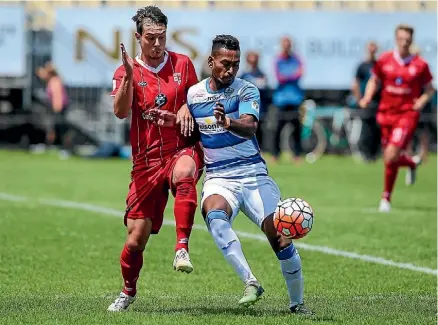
<point>151,14</point>
<point>225,42</point>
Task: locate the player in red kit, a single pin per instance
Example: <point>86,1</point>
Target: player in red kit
<point>163,158</point>
<point>406,84</point>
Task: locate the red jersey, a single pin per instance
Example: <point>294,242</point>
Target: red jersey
<point>402,81</point>
<point>152,144</point>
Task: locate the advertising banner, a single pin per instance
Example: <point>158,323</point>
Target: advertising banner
<point>12,41</point>
<point>331,44</point>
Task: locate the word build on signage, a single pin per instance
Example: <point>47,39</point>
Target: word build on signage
<point>331,44</point>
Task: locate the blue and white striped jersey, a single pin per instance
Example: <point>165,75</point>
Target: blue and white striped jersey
<point>227,154</point>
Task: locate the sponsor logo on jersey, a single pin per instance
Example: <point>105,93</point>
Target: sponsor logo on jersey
<point>398,90</point>
<point>214,98</point>
<point>200,97</point>
<point>255,105</point>
<point>142,83</point>
<point>146,116</point>
<point>199,94</point>
<point>177,78</point>
<point>398,81</point>
<point>207,125</point>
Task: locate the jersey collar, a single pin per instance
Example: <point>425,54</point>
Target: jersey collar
<point>211,91</point>
<point>400,60</point>
<point>152,69</point>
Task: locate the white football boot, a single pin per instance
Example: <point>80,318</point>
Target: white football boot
<point>121,303</point>
<point>384,206</point>
<point>411,174</point>
<point>182,261</point>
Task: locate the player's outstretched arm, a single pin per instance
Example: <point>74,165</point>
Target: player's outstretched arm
<point>185,119</point>
<point>429,92</point>
<point>125,93</point>
<point>370,90</point>
<point>245,126</point>
<point>162,118</point>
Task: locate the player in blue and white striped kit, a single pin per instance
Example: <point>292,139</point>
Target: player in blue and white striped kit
<point>226,110</point>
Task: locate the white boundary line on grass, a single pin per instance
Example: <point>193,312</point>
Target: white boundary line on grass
<point>259,237</point>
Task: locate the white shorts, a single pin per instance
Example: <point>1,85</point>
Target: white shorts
<point>257,197</point>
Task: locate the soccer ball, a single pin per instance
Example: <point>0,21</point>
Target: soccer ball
<point>293,218</point>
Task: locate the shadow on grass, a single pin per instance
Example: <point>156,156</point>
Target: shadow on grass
<point>233,311</point>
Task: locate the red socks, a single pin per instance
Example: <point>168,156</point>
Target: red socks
<point>391,171</point>
<point>184,210</point>
<point>406,161</point>
<point>131,263</point>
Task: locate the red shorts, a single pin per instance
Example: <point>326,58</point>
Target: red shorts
<point>397,129</point>
<point>149,188</point>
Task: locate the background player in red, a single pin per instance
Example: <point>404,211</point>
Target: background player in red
<point>163,158</point>
<point>403,77</point>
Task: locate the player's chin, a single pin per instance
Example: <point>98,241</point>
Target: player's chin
<point>156,54</point>
<point>227,81</point>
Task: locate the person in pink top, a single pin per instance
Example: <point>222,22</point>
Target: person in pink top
<point>58,101</point>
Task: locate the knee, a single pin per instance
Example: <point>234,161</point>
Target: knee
<point>276,240</point>
<point>135,243</point>
<point>279,242</point>
<point>186,171</point>
<point>220,228</point>
<point>390,155</point>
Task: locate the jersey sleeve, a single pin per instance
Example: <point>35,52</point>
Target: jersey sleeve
<point>426,75</point>
<point>117,79</point>
<point>249,101</point>
<point>192,78</point>
<point>377,68</point>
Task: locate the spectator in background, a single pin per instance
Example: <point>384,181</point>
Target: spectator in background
<point>369,142</point>
<point>288,96</point>
<point>425,124</point>
<point>58,103</point>
<point>254,75</point>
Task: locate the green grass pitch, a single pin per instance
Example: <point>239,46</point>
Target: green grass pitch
<point>60,260</point>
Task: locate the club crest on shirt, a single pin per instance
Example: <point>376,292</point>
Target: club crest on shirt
<point>412,71</point>
<point>177,78</point>
<point>142,83</point>
<point>228,92</point>
<point>255,105</point>
<point>388,67</point>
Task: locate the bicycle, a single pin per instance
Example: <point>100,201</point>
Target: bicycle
<point>344,132</point>
<point>313,137</point>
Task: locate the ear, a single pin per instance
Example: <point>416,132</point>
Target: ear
<point>137,36</point>
<point>210,61</point>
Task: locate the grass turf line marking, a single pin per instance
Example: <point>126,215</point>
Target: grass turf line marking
<point>259,237</point>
